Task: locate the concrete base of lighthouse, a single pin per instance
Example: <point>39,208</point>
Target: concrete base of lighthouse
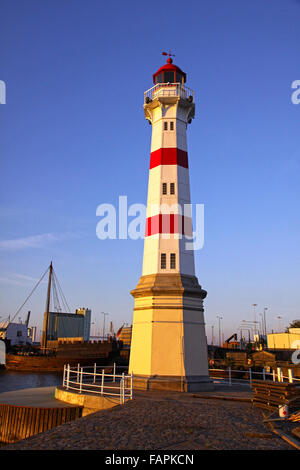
<point>176,384</point>
<point>168,346</point>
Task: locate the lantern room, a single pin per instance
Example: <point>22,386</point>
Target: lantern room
<point>169,73</point>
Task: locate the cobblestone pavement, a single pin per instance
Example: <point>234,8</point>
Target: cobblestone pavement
<point>163,421</point>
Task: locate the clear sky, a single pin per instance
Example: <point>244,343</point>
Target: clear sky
<point>73,136</point>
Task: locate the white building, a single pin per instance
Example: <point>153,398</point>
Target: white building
<point>15,333</point>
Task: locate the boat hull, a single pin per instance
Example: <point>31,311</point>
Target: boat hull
<point>49,364</point>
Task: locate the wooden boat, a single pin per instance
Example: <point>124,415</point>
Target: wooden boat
<point>53,355</point>
<point>48,363</point>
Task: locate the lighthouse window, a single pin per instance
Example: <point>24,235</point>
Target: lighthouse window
<point>165,126</point>
<point>172,188</point>
<point>173,261</point>
<point>178,78</point>
<point>164,188</point>
<point>163,260</point>
<point>159,78</point>
<point>171,126</point>
<point>169,77</point>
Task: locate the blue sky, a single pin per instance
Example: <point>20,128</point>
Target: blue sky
<point>73,136</point>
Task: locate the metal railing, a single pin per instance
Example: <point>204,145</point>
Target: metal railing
<point>275,375</point>
<point>100,383</point>
<point>169,89</point>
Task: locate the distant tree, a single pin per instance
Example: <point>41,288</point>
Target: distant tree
<point>294,324</point>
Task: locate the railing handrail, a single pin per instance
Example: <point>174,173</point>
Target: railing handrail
<point>275,374</point>
<point>81,382</point>
<point>181,90</point>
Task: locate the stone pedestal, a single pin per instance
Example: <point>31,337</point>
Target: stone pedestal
<point>168,346</point>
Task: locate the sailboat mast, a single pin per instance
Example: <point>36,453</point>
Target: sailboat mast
<point>46,320</point>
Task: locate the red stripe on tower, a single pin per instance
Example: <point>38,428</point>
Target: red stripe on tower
<point>168,223</point>
<point>169,156</point>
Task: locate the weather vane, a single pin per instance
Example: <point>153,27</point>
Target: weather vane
<point>168,53</point>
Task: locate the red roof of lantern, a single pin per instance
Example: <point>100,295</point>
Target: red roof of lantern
<point>169,67</point>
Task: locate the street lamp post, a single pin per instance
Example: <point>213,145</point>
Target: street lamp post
<point>104,314</point>
<point>279,322</point>
<point>220,318</point>
<point>265,323</point>
<point>254,306</point>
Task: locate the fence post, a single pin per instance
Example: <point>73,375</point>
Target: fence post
<point>250,375</point>
<point>264,373</point>
<point>114,379</point>
<point>68,376</point>
<point>291,376</point>
<point>64,374</point>
<point>121,390</point>
<point>102,382</point>
<point>229,375</point>
<point>95,369</point>
<point>123,394</point>
<point>78,368</point>
<point>80,388</point>
<point>279,374</point>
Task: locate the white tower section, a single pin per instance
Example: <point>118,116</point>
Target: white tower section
<point>168,205</point>
<point>168,346</point>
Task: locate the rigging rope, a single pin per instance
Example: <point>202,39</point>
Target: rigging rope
<point>63,298</point>
<point>54,294</point>
<point>30,294</point>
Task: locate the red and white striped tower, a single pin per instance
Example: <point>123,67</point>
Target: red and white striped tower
<point>168,346</point>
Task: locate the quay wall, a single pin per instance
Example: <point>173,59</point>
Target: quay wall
<point>20,422</point>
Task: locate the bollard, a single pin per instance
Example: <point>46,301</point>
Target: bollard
<point>229,375</point>
<point>274,375</point>
<point>264,373</point>
<point>114,378</point>
<point>250,375</point>
<point>279,375</point>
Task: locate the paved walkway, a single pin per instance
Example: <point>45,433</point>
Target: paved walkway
<point>164,421</point>
<point>38,397</point>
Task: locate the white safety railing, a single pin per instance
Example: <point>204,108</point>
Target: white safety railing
<point>91,379</point>
<point>169,89</point>
<point>227,376</point>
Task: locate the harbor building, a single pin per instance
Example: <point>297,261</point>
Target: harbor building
<point>68,326</point>
<point>168,345</point>
<point>288,340</point>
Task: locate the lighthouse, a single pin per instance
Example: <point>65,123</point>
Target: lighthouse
<point>168,345</point>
